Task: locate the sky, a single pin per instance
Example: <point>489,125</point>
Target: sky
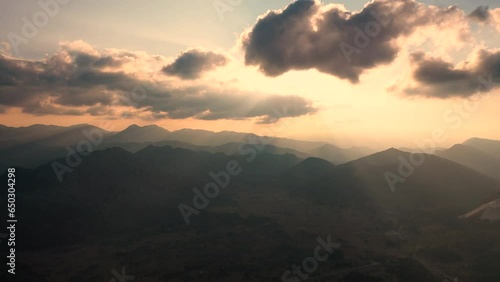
<point>355,73</point>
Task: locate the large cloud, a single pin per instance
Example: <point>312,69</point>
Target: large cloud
<point>79,80</point>
<point>310,35</point>
<point>484,15</point>
<point>191,64</point>
<point>438,78</point>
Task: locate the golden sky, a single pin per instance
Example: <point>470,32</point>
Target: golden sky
<point>249,67</point>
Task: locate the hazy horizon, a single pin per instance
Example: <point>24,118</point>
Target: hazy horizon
<point>372,144</point>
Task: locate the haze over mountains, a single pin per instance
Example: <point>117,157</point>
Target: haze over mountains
<point>123,198</point>
<point>477,158</point>
<point>34,145</point>
<point>481,154</point>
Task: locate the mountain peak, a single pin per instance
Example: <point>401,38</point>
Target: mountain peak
<point>316,162</point>
<point>136,127</point>
<point>488,146</point>
<point>478,140</point>
<point>154,126</point>
<point>136,133</point>
<point>310,168</point>
<point>328,146</point>
<point>389,156</point>
<point>133,126</point>
<point>472,139</point>
<point>390,152</point>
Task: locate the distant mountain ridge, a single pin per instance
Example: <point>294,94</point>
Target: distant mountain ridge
<point>436,183</point>
<point>488,146</point>
<point>33,145</point>
<point>153,133</point>
<point>46,135</point>
<point>473,158</point>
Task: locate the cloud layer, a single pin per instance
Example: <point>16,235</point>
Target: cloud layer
<point>79,80</point>
<point>310,35</point>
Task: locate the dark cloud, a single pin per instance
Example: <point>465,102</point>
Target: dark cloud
<point>73,82</point>
<point>86,60</point>
<point>310,35</point>
<point>191,64</point>
<point>481,14</point>
<point>438,78</point>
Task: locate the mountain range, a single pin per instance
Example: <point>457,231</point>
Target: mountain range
<point>480,154</point>
<point>34,145</point>
<point>123,200</point>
